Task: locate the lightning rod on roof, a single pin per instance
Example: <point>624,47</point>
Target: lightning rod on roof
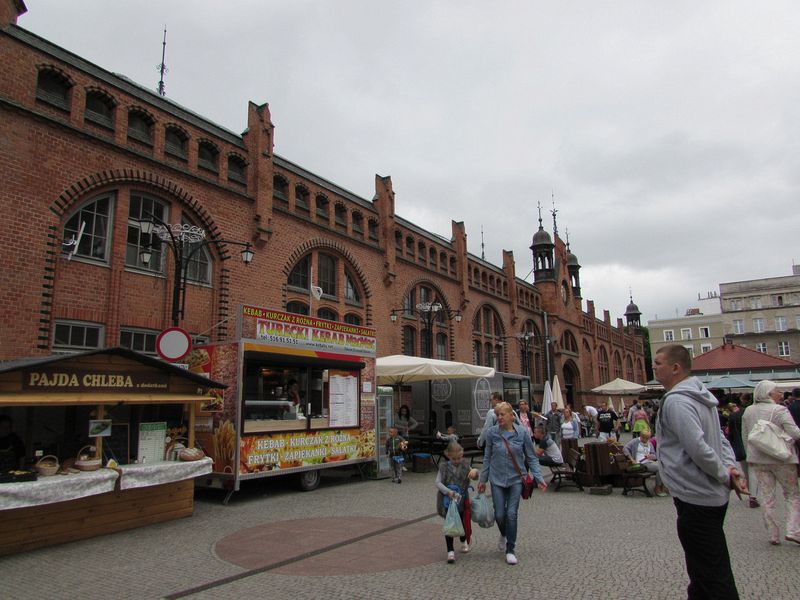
<point>162,90</point>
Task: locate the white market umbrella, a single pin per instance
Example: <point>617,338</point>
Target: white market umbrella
<point>557,397</point>
<point>619,386</point>
<point>611,403</point>
<point>621,407</point>
<point>399,369</point>
<point>547,397</point>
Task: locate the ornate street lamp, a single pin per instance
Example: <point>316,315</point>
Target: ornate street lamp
<point>429,313</point>
<point>184,241</point>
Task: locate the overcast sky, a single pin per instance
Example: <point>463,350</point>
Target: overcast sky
<point>668,133</point>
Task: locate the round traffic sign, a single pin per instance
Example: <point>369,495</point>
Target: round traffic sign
<point>173,343</point>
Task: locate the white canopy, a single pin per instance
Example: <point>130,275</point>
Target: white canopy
<point>619,386</point>
<point>547,398</point>
<point>399,369</point>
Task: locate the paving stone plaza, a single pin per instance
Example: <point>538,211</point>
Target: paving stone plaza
<point>375,539</point>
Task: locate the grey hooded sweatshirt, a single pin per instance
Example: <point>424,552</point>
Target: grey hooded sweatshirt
<point>693,455</point>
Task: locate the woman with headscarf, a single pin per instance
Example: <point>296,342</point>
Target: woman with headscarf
<point>769,470</point>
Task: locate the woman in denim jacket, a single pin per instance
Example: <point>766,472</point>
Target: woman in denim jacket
<point>499,470</point>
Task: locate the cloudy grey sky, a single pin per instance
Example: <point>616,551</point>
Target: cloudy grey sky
<point>669,132</point>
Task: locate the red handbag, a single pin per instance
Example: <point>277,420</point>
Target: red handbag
<point>527,479</point>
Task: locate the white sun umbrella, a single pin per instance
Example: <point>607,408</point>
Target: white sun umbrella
<point>557,397</point>
<point>547,398</point>
<point>621,407</point>
<point>611,403</point>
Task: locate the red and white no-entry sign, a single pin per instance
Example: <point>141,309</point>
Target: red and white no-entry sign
<point>173,344</point>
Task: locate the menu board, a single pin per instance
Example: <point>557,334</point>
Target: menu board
<point>343,389</point>
<point>152,442</point>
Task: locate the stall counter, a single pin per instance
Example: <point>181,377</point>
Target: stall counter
<point>56,488</point>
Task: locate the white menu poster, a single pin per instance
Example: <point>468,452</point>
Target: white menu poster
<point>343,400</point>
<point>152,442</point>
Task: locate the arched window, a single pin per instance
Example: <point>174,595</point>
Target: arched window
<point>372,225</point>
<point>421,314</point>
<point>358,224</point>
<point>301,197</point>
<point>297,308</point>
<point>568,342</point>
<point>352,319</point>
<point>476,352</point>
<point>208,156</point>
<point>629,374</point>
<point>327,313</point>
<point>409,341</point>
<point>421,252</point>
<point>410,246</point>
<point>326,274</point>
<point>198,265</point>
<point>140,126</point>
<point>237,169</point>
<point>340,217</point>
<point>602,364</point>
<point>299,276</point>
<point>351,294</point>
<point>175,141</point>
<point>617,365</point>
<point>488,331</point>
<point>322,208</point>
<point>99,109</point>
<point>141,208</point>
<point>53,88</point>
<point>280,190</point>
<point>325,270</point>
<point>90,227</point>
<point>441,346</point>
<point>432,259</point>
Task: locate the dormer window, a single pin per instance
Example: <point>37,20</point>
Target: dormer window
<point>175,142</point>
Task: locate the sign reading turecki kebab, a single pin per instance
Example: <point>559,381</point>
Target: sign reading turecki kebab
<point>61,379</point>
<point>301,331</point>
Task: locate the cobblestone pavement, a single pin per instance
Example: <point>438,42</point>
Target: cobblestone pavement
<point>572,545</point>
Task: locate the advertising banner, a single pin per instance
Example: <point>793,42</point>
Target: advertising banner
<point>291,450</point>
<point>310,333</point>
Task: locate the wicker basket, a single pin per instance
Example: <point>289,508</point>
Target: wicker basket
<point>87,464</point>
<point>47,465</point>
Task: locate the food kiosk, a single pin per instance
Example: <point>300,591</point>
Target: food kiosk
<point>82,413</point>
<point>300,398</point>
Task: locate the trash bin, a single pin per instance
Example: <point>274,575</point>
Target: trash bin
<point>422,462</point>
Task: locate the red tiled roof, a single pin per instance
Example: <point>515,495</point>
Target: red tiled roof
<point>729,357</point>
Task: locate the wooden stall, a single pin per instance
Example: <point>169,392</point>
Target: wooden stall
<point>91,411</point>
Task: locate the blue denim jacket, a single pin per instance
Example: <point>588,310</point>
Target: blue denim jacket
<point>498,468</point>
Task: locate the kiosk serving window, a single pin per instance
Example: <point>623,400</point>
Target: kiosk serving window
<point>297,398</point>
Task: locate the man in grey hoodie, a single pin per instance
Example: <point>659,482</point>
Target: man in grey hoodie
<point>698,467</point>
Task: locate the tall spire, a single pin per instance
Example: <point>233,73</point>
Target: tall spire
<point>483,255</point>
<point>539,206</point>
<point>162,90</point>
<point>554,212</point>
<point>566,231</point>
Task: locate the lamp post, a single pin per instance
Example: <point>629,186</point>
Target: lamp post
<point>183,241</point>
<point>429,313</point>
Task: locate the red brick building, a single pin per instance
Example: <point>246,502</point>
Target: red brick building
<point>82,148</point>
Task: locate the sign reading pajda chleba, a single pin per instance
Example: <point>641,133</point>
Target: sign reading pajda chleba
<point>74,380</point>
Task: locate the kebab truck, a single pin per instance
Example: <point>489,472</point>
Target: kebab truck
<point>300,398</point>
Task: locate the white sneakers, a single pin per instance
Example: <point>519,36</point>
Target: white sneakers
<point>511,559</point>
<point>501,544</point>
<point>464,548</point>
<point>451,557</point>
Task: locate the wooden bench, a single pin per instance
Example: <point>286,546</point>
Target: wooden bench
<point>632,481</point>
<point>568,473</point>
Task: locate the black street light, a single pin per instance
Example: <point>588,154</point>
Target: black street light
<point>525,340</point>
<point>184,241</point>
<point>429,313</point>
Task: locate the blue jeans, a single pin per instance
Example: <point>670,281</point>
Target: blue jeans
<point>506,507</point>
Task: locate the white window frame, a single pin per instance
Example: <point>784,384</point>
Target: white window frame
<point>761,347</point>
<point>705,348</point>
<point>784,349</point>
<point>70,348</point>
<point>690,348</point>
<point>704,332</point>
<point>777,300</point>
<point>758,325</point>
<point>780,323</point>
<point>139,331</point>
<point>738,326</point>
<point>669,335</point>
<point>686,333</point>
<point>91,235</point>
<point>755,302</point>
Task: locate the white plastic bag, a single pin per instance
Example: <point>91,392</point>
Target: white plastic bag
<point>452,522</point>
<point>481,511</point>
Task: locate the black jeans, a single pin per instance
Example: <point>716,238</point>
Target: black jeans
<point>546,461</point>
<point>707,561</point>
